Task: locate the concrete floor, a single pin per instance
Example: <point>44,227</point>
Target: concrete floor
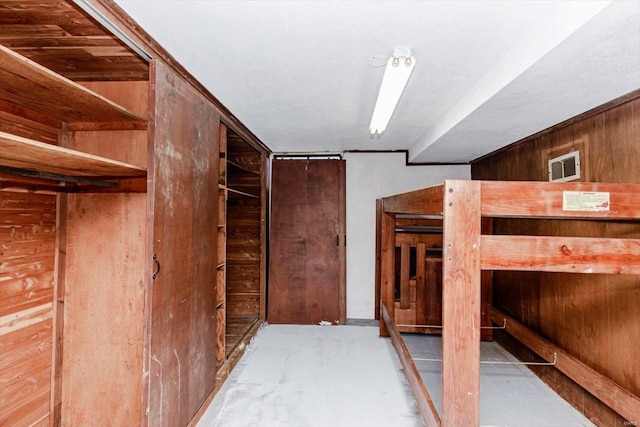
<point>315,376</point>
<point>332,376</point>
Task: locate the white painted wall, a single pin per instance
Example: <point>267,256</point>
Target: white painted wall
<point>371,176</point>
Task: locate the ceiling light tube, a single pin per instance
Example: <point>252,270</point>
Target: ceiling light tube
<point>396,75</point>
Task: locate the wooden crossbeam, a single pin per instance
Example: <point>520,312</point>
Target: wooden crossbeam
<point>520,199</point>
<point>426,408</point>
<point>426,201</point>
<point>602,387</point>
<point>561,254</point>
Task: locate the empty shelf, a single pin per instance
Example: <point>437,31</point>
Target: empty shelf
<point>23,153</point>
<point>30,85</point>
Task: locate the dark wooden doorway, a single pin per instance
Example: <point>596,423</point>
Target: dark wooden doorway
<point>307,261</point>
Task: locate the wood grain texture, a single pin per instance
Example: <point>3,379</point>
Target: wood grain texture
<point>62,37</point>
<point>20,126</point>
<point>405,257</point>
<point>422,278</point>
<point>536,199</point>
<point>561,254</point>
<point>104,279</point>
<point>461,304</point>
<point>387,267</point>
<point>27,242</point>
<point>377,271</point>
<point>22,153</point>
<point>616,397</point>
<point>182,328</point>
<point>25,373</point>
<point>306,276</point>
<point>32,86</point>
<point>426,408</point>
<point>424,201</point>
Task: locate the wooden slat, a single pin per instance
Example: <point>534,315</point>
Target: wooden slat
<point>614,396</point>
<point>426,201</point>
<point>461,304</point>
<point>433,294</point>
<point>541,199</point>
<point>18,152</point>
<point>387,265</point>
<point>378,260</point>
<point>405,265</point>
<point>32,86</point>
<point>25,373</point>
<point>421,280</point>
<point>426,408</point>
<point>561,254</point>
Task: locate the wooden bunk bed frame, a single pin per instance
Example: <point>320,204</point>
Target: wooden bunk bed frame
<point>467,252</point>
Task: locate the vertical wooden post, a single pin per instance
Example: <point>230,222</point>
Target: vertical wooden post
<point>405,267</point>
<point>378,243</point>
<point>421,280</point>
<point>387,266</point>
<point>461,304</point>
<point>486,287</point>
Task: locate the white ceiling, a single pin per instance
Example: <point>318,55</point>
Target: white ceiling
<point>488,73</point>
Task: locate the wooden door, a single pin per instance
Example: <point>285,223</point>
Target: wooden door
<point>307,242</point>
<point>180,359</point>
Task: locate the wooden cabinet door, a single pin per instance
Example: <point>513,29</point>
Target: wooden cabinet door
<point>180,359</point>
<point>307,242</point>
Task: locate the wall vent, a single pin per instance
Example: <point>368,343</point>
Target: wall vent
<point>565,168</point>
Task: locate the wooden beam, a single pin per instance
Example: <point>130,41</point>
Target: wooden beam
<point>421,283</point>
<point>405,266</point>
<point>561,254</point>
<point>541,199</point>
<point>461,304</point>
<point>426,408</point>
<point>378,243</point>
<point>387,265</point>
<point>611,394</point>
<point>426,201</point>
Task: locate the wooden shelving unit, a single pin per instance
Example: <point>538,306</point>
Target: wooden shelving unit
<point>221,270</point>
<point>31,86</point>
<point>101,242</point>
<point>43,96</point>
<point>23,153</point>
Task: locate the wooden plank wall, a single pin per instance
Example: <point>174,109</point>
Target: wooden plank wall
<point>27,249</point>
<point>104,285</point>
<point>184,170</point>
<point>27,289</point>
<point>592,317</point>
<point>243,230</point>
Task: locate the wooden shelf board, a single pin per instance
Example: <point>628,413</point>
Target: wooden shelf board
<point>30,85</point>
<point>23,153</point>
<point>242,193</point>
<point>241,168</point>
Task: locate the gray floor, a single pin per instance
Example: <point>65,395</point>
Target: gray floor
<point>331,376</point>
<point>510,394</point>
<point>315,376</point>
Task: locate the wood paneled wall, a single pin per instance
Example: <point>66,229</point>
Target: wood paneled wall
<point>593,317</point>
<point>244,219</point>
<point>27,288</point>
<point>27,249</point>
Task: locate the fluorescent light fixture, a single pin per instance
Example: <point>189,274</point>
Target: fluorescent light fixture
<point>396,75</point>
